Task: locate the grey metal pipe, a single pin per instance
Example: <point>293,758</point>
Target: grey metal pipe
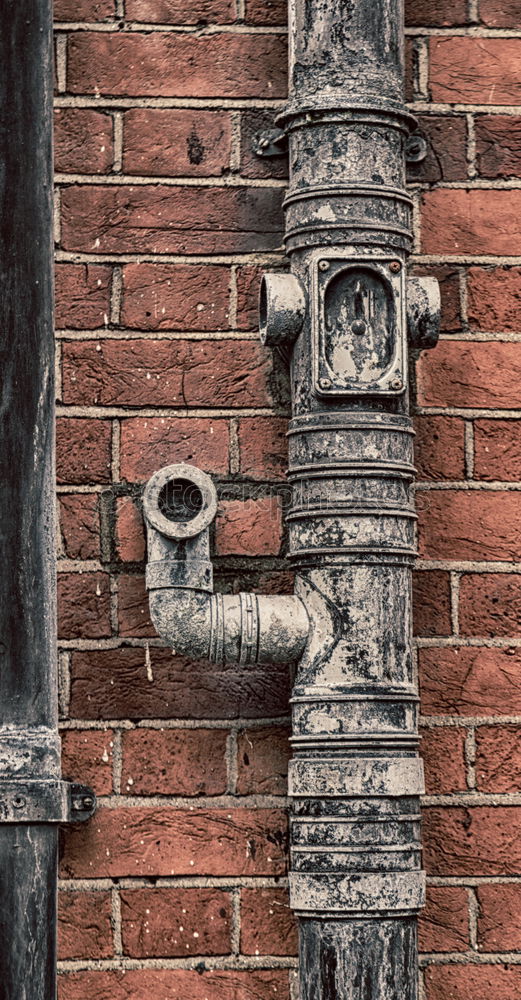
<point>348,315</point>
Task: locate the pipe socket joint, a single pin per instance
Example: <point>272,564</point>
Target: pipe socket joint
<point>423,312</point>
<point>282,309</point>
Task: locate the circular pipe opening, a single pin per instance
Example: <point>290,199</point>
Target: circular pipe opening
<point>180,500</point>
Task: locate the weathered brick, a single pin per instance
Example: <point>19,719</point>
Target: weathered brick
<point>464,373</point>
<point>83,450</point>
<point>482,840</point>
<point>83,141</point>
<point>263,447</point>
<point>173,64</point>
<point>87,756</point>
<point>174,762</point>
<point>499,13</point>
<point>475,70</point>
<point>168,219</point>
<point>431,603</point>
<point>84,927</point>
<point>176,143</point>
<point>83,605</point>
<point>176,984</point>
<point>84,10</point>
<point>163,841</point>
<point>175,923</point>
<point>473,982</point>
<point>439,447</point>
<point>435,13</point>
<point>82,295</point>
<point>443,755</point>
<point>274,12</point>
<point>268,926</point>
<point>446,158</point>
<point>498,759</point>
<point>253,122</point>
<point>459,524</point>
<point>475,221</point>
<point>79,525</point>
<point>133,609</point>
<point>494,299</point>
<point>449,281</point>
<point>185,373</point>
<point>490,604</point>
<point>262,761</point>
<point>149,443</point>
<point>180,11</point>
<point>498,145</point>
<point>444,923</point>
<point>248,284</point>
<point>130,530</point>
<point>470,680</point>
<point>115,684</point>
<point>249,527</point>
<point>499,917</point>
<point>175,297</point>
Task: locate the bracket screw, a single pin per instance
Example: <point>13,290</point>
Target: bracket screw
<point>395,266</point>
<point>324,265</point>
<point>88,802</point>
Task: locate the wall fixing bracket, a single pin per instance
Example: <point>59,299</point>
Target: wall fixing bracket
<point>269,143</point>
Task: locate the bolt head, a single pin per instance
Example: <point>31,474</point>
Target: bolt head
<point>324,383</point>
<point>395,266</point>
<point>397,384</point>
<point>324,265</point>
<point>264,143</point>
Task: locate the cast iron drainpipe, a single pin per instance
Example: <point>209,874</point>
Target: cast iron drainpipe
<point>33,798</point>
<point>343,314</point>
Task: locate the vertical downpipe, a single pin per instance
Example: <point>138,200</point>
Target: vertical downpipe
<point>29,746</point>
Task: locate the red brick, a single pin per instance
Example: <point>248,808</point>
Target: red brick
<point>470,680</point>
<point>448,278</point>
<point>473,982</point>
<point>435,13</point>
<point>83,141</point>
<point>174,762</point>
<point>175,297</point>
<point>498,145</point>
<point>494,299</point>
<point>175,923</point>
<point>446,158</point>
<point>83,450</point>
<point>262,761</point>
<point>490,604</point>
<point>178,984</point>
<point>84,927</point>
<point>249,527</point>
<point>143,842</point>
<point>464,373</point>
<point>440,447</point>
<point>475,70</point>
<point>482,840</point>
<point>79,525</point>
<point>499,917</point>
<point>248,284</point>
<point>263,447</point>
<point>253,122</point>
<point>133,610</point>
<point>174,143</point>
<point>411,69</point>
<point>147,444</point>
<point>431,603</point>
<point>444,923</point>
<point>498,759</point>
<point>455,524</point>
<point>116,684</point>
<point>274,12</point>
<point>82,295</point>
<point>177,65</point>
<point>443,755</point>
<point>478,221</point>
<point>499,13</point>
<point>130,531</point>
<point>168,219</point>
<point>83,605</point>
<point>220,373</point>
<point>84,10</point>
<point>268,926</point>
<point>180,11</point>
<point>87,755</point>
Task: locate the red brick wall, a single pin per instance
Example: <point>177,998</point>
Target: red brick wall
<point>164,219</point>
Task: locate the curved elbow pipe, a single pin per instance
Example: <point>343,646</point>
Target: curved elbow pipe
<point>180,503</point>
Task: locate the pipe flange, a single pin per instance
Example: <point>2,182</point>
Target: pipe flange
<point>180,501</point>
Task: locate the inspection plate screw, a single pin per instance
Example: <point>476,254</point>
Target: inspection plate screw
<point>395,266</point>
<point>324,265</point>
<point>396,383</point>
<point>324,383</point>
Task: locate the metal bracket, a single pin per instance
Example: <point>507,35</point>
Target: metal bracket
<point>270,142</point>
<point>51,801</point>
